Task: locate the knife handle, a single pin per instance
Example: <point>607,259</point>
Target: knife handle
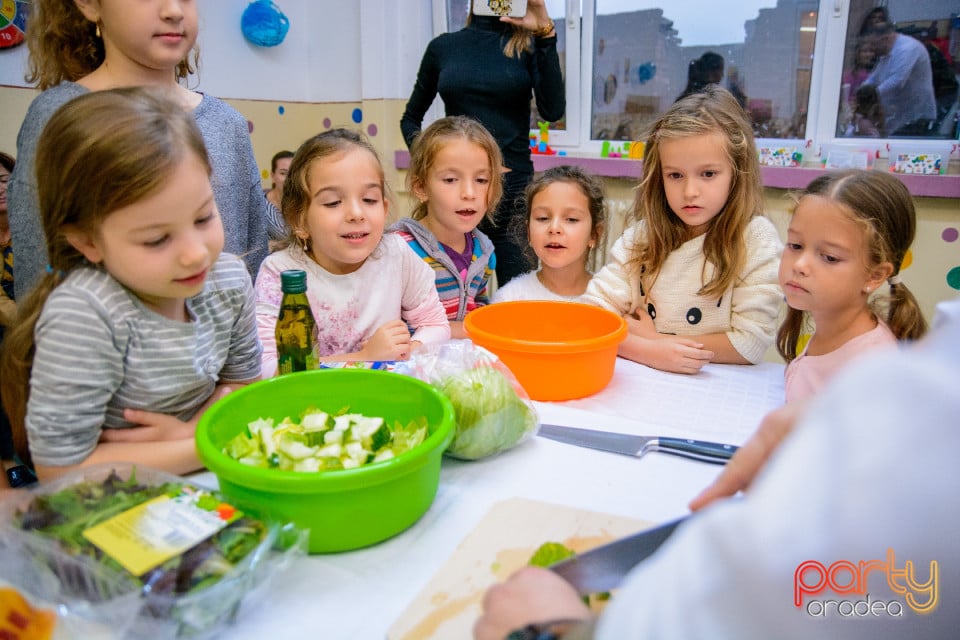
<point>713,452</point>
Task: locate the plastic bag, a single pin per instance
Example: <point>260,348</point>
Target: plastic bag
<point>48,559</point>
<point>493,412</point>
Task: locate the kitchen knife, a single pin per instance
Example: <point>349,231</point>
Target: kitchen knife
<point>603,568</point>
<point>631,445</point>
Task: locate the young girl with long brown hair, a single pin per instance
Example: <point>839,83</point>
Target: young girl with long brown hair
<point>139,321</point>
<point>696,275</point>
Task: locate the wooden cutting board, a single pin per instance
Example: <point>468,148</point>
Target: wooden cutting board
<point>501,543</point>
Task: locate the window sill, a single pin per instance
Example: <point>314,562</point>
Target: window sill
<point>945,186</point>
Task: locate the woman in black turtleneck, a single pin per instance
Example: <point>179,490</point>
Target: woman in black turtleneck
<point>488,71</point>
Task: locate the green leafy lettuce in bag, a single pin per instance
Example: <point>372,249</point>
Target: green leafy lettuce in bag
<point>493,412</point>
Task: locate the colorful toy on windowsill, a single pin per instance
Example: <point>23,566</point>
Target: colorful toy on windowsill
<point>542,147</point>
<point>608,150</point>
<point>781,156</point>
<point>780,152</point>
<point>920,157</point>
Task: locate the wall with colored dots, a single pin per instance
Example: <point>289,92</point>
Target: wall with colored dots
<point>284,125</point>
<point>342,64</point>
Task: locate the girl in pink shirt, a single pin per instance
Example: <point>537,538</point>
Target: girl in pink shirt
<point>848,236</point>
<point>372,298</point>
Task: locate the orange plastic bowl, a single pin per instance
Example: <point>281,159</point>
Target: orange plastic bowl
<point>557,350</point>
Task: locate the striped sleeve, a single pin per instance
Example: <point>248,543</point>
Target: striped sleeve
<point>66,408</point>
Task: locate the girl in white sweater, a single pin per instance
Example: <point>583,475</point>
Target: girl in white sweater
<point>696,275</point>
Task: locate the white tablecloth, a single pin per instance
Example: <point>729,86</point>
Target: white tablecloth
<point>359,594</point>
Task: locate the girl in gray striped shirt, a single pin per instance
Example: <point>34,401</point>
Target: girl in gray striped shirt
<point>140,322</point>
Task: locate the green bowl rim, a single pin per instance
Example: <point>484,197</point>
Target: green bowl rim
<point>583,345</point>
<point>281,481</point>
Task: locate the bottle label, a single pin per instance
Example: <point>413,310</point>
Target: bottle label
<point>296,334</point>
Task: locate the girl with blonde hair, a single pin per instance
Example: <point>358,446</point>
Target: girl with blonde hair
<point>696,275</point>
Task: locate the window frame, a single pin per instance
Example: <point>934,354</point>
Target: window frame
<point>826,72</point>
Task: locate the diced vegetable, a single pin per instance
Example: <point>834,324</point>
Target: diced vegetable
<point>323,442</point>
<point>550,553</point>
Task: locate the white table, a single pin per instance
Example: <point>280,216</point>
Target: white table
<point>359,594</point>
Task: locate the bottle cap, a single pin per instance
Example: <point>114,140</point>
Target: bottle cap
<point>293,281</point>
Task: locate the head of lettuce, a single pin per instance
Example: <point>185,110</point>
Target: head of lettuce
<point>490,416</point>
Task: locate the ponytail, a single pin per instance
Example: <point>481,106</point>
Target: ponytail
<point>904,317</point>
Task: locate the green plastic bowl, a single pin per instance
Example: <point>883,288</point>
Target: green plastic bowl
<point>344,509</point>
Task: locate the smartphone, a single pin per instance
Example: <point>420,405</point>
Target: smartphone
<point>513,8</point>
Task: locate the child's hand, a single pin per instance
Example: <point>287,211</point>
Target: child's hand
<point>156,427</point>
<point>389,342</point>
<point>677,354</point>
<point>639,323</point>
<point>457,332</point>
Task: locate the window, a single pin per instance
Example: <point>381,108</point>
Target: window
<point>788,61</point>
<point>900,70</point>
<point>645,57</point>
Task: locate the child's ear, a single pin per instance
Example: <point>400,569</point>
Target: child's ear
<point>416,187</point>
<point>85,243</point>
<point>89,9</point>
<point>596,235</point>
<point>879,275</point>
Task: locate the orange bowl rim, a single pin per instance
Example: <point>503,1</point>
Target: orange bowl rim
<point>593,343</point>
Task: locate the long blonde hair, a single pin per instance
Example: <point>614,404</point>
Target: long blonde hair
<point>64,45</point>
<point>712,110</point>
<point>431,140</point>
<point>883,208</point>
<point>100,152</point>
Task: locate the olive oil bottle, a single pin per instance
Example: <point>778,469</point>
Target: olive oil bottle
<point>296,328</point>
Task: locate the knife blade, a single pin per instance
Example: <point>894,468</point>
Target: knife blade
<point>603,568</point>
<point>631,445</point>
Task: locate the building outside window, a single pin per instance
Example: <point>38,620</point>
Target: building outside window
<point>787,61</point>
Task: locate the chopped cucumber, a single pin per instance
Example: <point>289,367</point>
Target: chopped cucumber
<point>323,442</point>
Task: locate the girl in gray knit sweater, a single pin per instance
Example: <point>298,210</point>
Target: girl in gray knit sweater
<point>82,46</point>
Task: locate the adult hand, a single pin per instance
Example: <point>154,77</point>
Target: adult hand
<point>534,19</point>
<point>390,342</point>
<point>743,467</point>
<point>156,427</point>
<point>530,595</point>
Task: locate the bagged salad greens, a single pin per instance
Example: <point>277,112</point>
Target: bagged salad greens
<point>493,412</point>
<point>127,551</point>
